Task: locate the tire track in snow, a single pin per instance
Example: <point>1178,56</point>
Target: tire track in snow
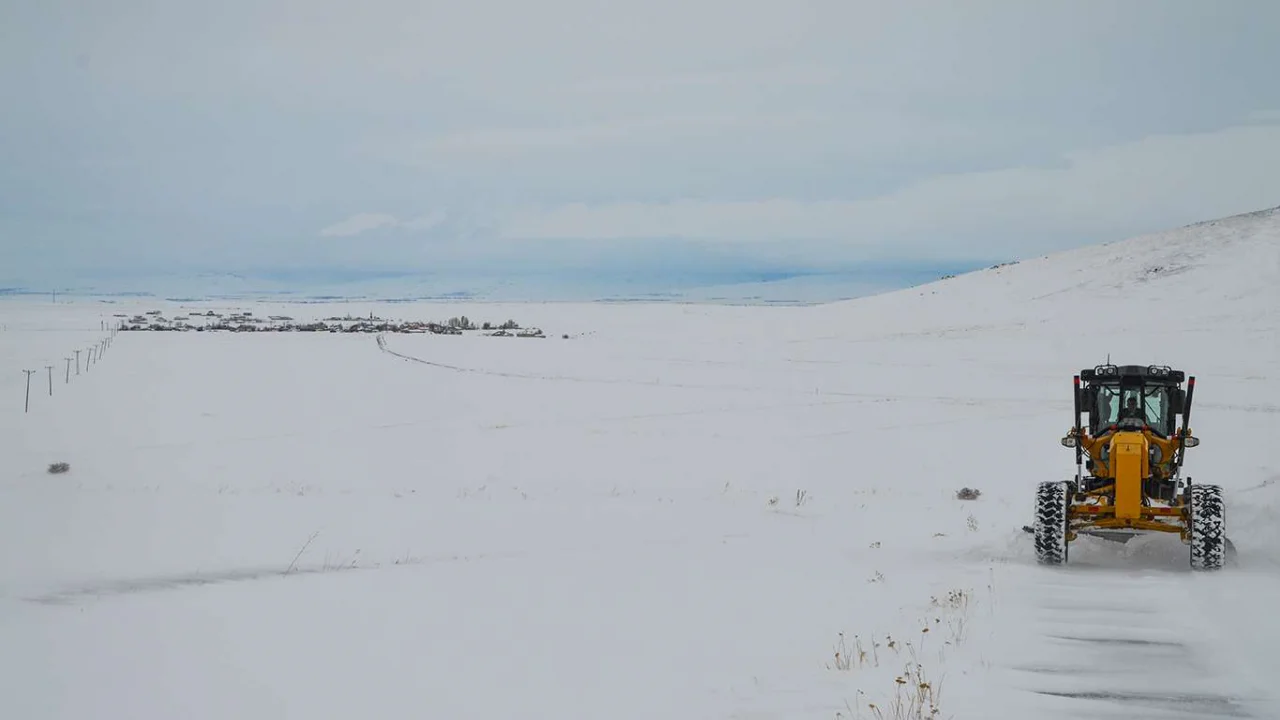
<point>1256,408</point>
<point>1126,637</point>
<point>755,389</point>
<point>126,586</point>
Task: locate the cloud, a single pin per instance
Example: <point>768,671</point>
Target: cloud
<point>356,224</point>
<point>754,79</point>
<point>640,131</point>
<point>850,129</point>
<point>365,222</point>
<point>1153,182</point>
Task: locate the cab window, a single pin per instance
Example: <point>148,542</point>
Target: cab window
<point>1148,405</point>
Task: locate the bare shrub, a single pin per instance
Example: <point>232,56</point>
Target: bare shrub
<point>58,468</point>
<point>915,694</point>
<point>968,494</point>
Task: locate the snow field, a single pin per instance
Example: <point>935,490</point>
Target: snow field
<point>585,530</point>
<point>677,512</point>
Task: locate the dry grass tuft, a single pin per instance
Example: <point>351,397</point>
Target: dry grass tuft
<point>916,695</point>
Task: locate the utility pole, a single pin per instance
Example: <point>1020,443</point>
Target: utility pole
<point>68,370</point>
<point>77,362</point>
<point>28,405</point>
<point>50,369</point>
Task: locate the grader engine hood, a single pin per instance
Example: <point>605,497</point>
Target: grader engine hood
<point>1129,457</point>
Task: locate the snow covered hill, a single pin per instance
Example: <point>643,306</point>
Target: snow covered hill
<point>1226,266</point>
<point>679,511</point>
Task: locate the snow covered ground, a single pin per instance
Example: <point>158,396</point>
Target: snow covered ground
<point>678,512</point>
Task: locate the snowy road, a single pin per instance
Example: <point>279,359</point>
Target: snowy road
<point>1135,637</point>
<point>1124,631</point>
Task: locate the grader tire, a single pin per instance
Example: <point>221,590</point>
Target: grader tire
<point>1208,527</point>
<point>1050,528</point>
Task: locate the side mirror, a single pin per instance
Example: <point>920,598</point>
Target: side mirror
<point>1191,441</point>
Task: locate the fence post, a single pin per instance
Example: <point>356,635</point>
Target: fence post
<point>29,373</point>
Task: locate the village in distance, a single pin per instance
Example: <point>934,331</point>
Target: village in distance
<point>248,322</point>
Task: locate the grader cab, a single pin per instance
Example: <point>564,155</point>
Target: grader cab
<point>1129,458</point>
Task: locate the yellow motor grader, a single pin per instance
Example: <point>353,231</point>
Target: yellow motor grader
<point>1132,449</point>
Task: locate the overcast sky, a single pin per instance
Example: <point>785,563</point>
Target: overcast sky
<point>239,135</point>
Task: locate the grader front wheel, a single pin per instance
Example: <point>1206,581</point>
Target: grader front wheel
<point>1207,519</point>
<point>1050,528</point>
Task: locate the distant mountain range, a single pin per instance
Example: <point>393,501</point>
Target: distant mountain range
<point>651,284</point>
